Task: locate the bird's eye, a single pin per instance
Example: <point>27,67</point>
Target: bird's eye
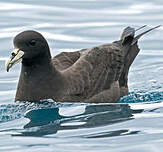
<point>32,42</point>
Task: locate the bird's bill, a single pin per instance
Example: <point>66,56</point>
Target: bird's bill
<point>16,56</point>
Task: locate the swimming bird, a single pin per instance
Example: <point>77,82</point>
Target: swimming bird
<point>94,75</point>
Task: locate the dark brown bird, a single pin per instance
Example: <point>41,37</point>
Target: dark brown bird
<point>98,74</point>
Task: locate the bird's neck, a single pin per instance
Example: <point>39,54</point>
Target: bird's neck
<point>36,69</point>
<point>38,81</point>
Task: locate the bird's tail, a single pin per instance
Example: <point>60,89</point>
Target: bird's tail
<point>128,35</point>
<point>140,35</point>
<point>130,50</point>
<point>129,42</point>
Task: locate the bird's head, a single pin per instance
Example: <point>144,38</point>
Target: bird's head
<point>29,46</point>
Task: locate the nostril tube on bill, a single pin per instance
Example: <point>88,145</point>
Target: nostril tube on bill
<point>13,54</point>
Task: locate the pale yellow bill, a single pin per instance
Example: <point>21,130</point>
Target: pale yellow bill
<point>17,57</point>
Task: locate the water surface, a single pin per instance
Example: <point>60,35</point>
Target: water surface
<point>135,123</point>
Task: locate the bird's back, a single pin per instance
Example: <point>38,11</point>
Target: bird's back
<point>90,71</point>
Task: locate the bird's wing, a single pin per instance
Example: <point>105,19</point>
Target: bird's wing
<point>95,71</point>
<point>65,60</point>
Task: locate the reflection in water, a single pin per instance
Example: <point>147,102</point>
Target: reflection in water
<point>50,121</point>
<point>111,134</point>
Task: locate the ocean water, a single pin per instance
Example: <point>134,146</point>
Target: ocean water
<point>134,124</point>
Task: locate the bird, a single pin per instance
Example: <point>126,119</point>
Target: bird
<point>92,75</point>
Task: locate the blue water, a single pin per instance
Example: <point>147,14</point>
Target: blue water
<point>134,124</point>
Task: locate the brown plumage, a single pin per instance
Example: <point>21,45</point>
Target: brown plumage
<point>98,74</point>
